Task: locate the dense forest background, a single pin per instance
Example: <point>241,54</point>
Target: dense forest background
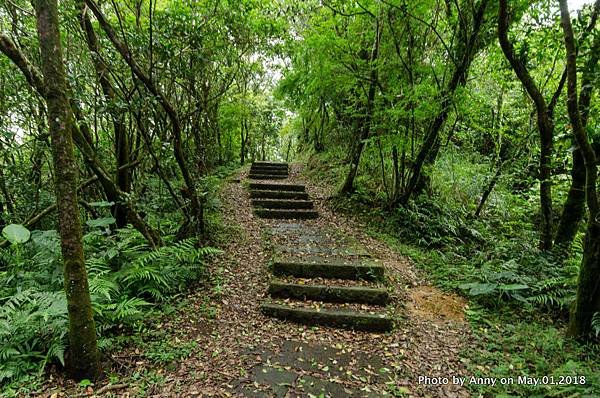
<point>463,132</point>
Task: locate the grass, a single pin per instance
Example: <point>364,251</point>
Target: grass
<point>518,335</point>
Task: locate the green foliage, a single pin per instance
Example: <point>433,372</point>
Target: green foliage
<point>125,280</point>
<point>596,323</point>
<point>16,233</point>
<point>33,327</point>
<point>164,270</point>
<point>507,346</point>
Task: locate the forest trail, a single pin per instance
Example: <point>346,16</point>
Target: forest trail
<point>235,349</point>
<point>245,353</point>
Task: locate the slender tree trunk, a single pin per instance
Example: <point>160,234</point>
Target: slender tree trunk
<point>122,148</point>
<point>488,190</point>
<point>545,126</point>
<point>465,54</point>
<point>84,361</point>
<point>574,207</point>
<point>365,122</point>
<point>196,203</point>
<point>6,193</point>
<point>242,143</point>
<point>587,302</point>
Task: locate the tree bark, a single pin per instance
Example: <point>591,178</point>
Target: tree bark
<point>122,147</point>
<point>430,147</point>
<point>83,359</point>
<point>574,207</point>
<point>365,122</point>
<point>545,126</point>
<point>587,302</point>
<point>196,204</point>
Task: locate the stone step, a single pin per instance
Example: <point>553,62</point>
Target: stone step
<point>268,194</point>
<point>332,294</point>
<point>265,170</point>
<point>290,214</point>
<point>326,317</point>
<point>325,267</point>
<point>282,204</point>
<point>266,176</point>
<point>265,186</point>
<point>275,167</point>
<point>267,163</point>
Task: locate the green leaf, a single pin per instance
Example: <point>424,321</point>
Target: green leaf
<point>477,289</point>
<point>102,204</point>
<point>16,233</point>
<point>100,222</point>
<point>514,286</point>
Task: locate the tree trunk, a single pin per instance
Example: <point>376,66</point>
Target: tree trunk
<point>545,126</point>
<point>365,122</point>
<point>574,207</point>
<point>83,359</point>
<point>190,188</point>
<point>587,302</point>
<point>465,54</point>
<point>122,148</point>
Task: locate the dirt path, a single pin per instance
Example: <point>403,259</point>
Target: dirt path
<point>241,352</point>
<point>246,351</point>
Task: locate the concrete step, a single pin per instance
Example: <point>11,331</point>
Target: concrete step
<point>268,163</point>
<point>269,167</point>
<point>331,294</point>
<point>265,186</point>
<point>267,176</point>
<point>327,267</point>
<point>266,170</point>
<point>285,214</point>
<point>267,194</point>
<point>326,317</point>
<point>282,204</point>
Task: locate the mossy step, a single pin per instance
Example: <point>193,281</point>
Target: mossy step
<point>328,268</point>
<point>265,186</point>
<point>267,176</point>
<point>332,294</point>
<point>267,163</point>
<point>292,214</point>
<point>270,165</point>
<point>282,204</point>
<point>325,317</point>
<point>268,194</point>
<point>266,170</point>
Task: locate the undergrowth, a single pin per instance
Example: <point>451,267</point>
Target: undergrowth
<point>519,296</point>
<point>128,281</point>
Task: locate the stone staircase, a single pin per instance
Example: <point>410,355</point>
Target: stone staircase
<point>316,282</point>
<point>278,200</point>
<point>268,171</point>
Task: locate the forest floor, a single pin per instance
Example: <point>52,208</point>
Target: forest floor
<point>216,342</point>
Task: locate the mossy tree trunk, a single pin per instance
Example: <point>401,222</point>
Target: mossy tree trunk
<point>122,146</point>
<point>588,288</point>
<point>83,358</point>
<point>574,208</point>
<point>545,124</point>
<point>365,121</point>
<point>472,39</point>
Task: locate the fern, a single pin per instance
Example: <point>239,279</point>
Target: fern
<point>596,324</point>
<point>33,329</point>
<point>164,270</point>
